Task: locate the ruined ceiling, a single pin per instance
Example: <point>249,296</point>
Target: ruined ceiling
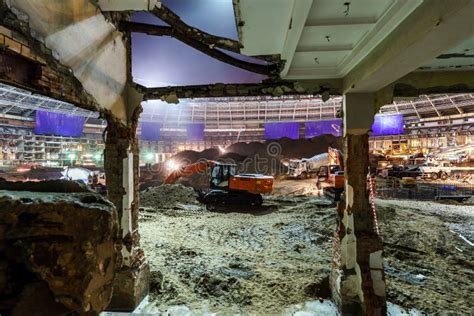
<point>81,39</point>
<point>368,44</point>
<point>318,38</point>
<point>460,57</point>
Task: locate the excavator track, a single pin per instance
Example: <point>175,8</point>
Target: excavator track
<point>232,197</point>
<point>333,193</point>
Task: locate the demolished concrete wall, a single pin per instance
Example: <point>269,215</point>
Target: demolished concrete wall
<point>57,249</point>
<point>80,38</point>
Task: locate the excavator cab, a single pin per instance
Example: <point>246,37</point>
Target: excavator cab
<point>226,186</point>
<point>220,175</point>
<point>332,175</point>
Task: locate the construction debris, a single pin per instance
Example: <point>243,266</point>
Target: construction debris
<point>57,250</point>
<point>168,196</point>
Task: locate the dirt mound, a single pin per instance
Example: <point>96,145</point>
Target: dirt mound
<point>191,156</point>
<point>281,148</point>
<point>231,157</point>
<point>168,196</point>
<point>245,149</point>
<point>255,157</point>
<point>288,148</point>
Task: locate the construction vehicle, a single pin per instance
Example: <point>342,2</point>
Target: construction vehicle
<point>226,186</point>
<point>331,177</point>
<point>443,170</point>
<point>306,167</point>
<point>96,182</point>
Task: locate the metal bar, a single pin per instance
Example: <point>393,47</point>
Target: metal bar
<point>455,105</point>
<point>416,111</point>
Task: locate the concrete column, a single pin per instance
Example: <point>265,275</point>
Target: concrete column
<point>357,280</point>
<point>127,200</point>
<point>122,175</point>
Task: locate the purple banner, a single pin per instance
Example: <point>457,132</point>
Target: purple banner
<point>387,125</point>
<point>58,124</point>
<point>333,127</point>
<point>195,131</point>
<point>282,129</point>
<point>150,131</point>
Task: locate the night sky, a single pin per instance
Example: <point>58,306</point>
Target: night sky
<point>164,61</point>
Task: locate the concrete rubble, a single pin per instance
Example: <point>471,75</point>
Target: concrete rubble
<point>168,197</point>
<point>57,249</point>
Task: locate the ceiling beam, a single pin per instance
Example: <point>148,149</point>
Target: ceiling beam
<point>325,88</point>
<point>431,30</point>
<point>210,50</point>
<point>173,20</point>
<point>300,12</point>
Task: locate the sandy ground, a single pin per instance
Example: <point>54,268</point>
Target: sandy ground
<point>263,261</point>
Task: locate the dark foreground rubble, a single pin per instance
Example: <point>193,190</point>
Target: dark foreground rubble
<point>57,249</point>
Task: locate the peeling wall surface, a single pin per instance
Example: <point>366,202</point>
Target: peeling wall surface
<point>81,38</point>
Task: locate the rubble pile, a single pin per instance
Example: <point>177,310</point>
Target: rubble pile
<point>168,196</point>
<point>57,250</point>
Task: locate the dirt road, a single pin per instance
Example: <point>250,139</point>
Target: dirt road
<point>241,262</point>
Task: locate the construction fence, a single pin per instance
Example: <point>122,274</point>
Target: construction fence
<point>425,191</point>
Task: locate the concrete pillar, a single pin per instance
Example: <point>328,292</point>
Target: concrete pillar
<point>357,278</point>
<point>122,175</point>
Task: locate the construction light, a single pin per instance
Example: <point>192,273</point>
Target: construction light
<point>98,156</point>
<point>221,149</point>
<point>149,156</point>
<point>71,156</point>
<point>172,165</point>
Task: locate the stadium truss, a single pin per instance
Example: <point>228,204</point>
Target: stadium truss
<point>241,113</point>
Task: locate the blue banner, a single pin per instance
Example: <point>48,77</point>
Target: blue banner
<point>313,129</point>
<point>58,124</point>
<point>384,124</point>
<point>150,131</point>
<point>195,131</point>
<point>282,129</point>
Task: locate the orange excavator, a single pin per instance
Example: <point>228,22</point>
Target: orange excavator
<point>226,186</point>
<point>331,177</point>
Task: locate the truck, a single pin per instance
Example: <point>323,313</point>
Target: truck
<point>331,176</point>
<point>306,167</point>
<point>443,170</point>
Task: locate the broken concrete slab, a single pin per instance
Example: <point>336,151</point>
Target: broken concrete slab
<point>61,242</point>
